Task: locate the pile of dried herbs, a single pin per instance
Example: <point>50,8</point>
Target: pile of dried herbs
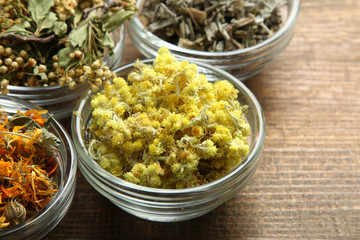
<point>27,165</point>
<point>58,42</point>
<point>214,26</point>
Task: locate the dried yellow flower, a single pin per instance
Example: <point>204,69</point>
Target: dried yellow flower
<point>167,126</point>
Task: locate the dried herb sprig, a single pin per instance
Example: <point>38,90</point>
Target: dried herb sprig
<point>53,42</point>
<point>214,26</point>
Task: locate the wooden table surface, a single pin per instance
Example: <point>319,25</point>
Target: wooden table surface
<point>308,183</point>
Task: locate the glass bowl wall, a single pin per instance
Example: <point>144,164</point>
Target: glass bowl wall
<point>44,221</point>
<point>168,205</point>
<point>242,63</point>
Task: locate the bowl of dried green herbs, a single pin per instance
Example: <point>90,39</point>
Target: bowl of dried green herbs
<point>37,170</point>
<point>239,36</point>
<point>52,50</point>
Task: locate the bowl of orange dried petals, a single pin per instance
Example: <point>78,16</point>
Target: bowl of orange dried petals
<point>37,170</point>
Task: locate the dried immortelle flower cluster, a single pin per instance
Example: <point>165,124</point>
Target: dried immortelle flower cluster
<point>168,126</point>
<point>213,26</point>
<point>53,42</point>
<point>27,165</point>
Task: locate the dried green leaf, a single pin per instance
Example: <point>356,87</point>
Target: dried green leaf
<point>43,77</point>
<point>48,22</point>
<point>186,43</point>
<point>59,28</point>
<point>49,139</point>
<point>78,36</point>
<point>48,122</point>
<point>39,8</point>
<point>108,42</point>
<point>63,55</point>
<point>19,29</point>
<point>117,19</point>
<point>77,17</point>
<point>36,70</point>
<point>23,120</point>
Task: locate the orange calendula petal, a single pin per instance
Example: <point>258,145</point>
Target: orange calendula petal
<point>22,158</point>
<point>36,116</point>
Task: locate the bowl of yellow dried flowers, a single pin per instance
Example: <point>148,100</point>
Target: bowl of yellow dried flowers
<point>169,140</point>
<point>37,170</point>
<point>240,37</point>
<point>51,50</point>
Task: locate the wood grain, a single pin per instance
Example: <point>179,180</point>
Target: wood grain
<point>308,183</point>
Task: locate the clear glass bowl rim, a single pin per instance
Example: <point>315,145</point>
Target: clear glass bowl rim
<point>109,178</point>
<point>289,23</point>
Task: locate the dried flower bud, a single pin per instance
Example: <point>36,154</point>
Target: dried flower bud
<point>56,65</point>
<point>79,72</point>
<point>78,54</point>
<point>15,212</point>
<point>4,83</point>
<point>23,54</point>
<point>72,55</point>
<point>52,75</point>
<point>86,68</point>
<point>2,50</point>
<point>88,73</point>
<point>8,62</point>
<point>72,73</point>
<point>4,91</point>
<point>107,74</point>
<point>98,82</point>
<point>60,71</point>
<point>82,79</point>
<point>14,65</point>
<point>55,58</point>
<point>99,72</point>
<point>106,83</point>
<point>94,88</point>
<point>4,69</point>
<point>8,51</point>
<point>69,79</point>
<point>42,68</point>
<point>19,60</point>
<point>72,85</point>
<point>97,64</point>
<point>62,81</point>
<point>32,62</point>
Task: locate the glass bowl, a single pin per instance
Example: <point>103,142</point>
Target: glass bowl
<point>60,100</point>
<point>171,205</point>
<point>243,63</point>
<point>45,220</point>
